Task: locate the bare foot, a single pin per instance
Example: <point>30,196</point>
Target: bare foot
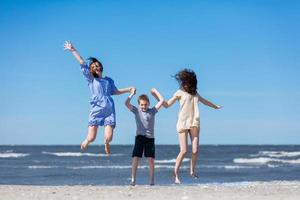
<point>107,148</point>
<point>84,144</point>
<point>132,183</point>
<point>194,176</point>
<point>176,179</point>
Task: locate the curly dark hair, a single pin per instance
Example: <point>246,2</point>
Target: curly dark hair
<point>187,80</point>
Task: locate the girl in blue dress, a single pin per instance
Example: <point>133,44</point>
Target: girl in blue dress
<point>102,105</point>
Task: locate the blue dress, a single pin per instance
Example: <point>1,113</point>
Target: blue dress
<point>102,105</point>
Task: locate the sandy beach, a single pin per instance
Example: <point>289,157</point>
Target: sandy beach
<point>256,190</point>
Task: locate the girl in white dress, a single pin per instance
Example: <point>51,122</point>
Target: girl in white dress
<point>188,118</point>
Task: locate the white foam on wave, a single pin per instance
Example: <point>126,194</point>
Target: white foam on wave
<point>9,151</point>
<point>278,154</point>
<point>78,154</point>
<point>102,167</point>
<point>13,155</point>
<point>122,167</point>
<point>229,167</point>
<point>171,161</point>
<point>232,167</point>
<point>272,166</point>
<point>264,160</point>
<point>41,167</point>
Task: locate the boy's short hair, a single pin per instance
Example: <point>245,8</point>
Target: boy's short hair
<point>143,97</point>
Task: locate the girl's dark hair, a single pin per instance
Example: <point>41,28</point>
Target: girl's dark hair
<point>94,60</point>
<point>187,80</point>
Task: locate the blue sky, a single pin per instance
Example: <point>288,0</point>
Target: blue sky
<point>245,54</point>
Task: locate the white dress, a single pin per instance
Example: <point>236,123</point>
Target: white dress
<point>188,115</point>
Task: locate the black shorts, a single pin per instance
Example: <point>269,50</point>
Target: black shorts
<point>143,144</point>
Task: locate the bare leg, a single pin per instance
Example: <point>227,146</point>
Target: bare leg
<point>194,135</point>
<point>91,136</point>
<point>151,168</point>
<point>182,138</point>
<point>135,163</point>
<point>108,135</point>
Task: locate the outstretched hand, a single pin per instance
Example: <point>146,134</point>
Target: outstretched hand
<point>68,46</point>
<point>218,107</point>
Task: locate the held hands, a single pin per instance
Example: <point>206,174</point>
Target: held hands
<point>132,91</point>
<point>68,46</point>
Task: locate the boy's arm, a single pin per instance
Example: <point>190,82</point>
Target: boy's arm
<point>68,46</point>
<point>168,103</point>
<point>127,102</point>
<point>124,90</point>
<point>208,103</point>
<point>158,96</point>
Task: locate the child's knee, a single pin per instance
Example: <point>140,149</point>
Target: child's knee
<point>195,151</point>
<point>108,139</point>
<point>183,151</point>
<point>151,160</point>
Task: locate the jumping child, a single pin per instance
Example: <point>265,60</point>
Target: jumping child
<point>144,140</point>
<point>188,122</point>
<point>102,110</point>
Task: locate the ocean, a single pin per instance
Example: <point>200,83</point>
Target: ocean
<point>217,164</point>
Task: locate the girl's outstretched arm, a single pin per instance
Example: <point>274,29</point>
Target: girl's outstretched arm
<point>208,103</point>
<point>68,46</point>
<point>124,90</point>
<point>158,96</point>
<point>166,104</point>
<point>170,102</point>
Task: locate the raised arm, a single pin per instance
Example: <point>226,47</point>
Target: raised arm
<point>127,102</point>
<point>208,103</point>
<point>166,104</point>
<point>124,90</point>
<point>158,96</point>
<point>68,46</point>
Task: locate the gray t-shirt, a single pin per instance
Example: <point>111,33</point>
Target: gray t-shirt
<point>144,121</point>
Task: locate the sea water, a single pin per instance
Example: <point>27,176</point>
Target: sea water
<point>217,164</point>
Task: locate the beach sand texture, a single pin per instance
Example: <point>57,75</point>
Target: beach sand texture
<point>257,190</point>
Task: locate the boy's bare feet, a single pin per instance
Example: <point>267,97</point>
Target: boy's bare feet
<point>151,181</point>
<point>132,183</point>
<point>107,148</point>
<point>84,144</point>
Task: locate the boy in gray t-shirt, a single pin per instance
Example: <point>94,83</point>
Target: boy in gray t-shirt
<point>144,139</point>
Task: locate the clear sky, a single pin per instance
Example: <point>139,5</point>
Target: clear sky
<point>245,54</point>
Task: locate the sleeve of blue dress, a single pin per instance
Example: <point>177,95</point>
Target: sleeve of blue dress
<point>86,71</point>
<point>113,88</point>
